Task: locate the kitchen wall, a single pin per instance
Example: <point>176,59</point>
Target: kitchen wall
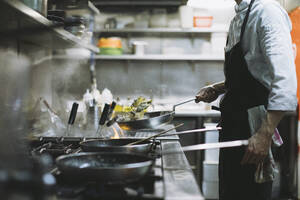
<point>58,79</point>
<point>160,79</point>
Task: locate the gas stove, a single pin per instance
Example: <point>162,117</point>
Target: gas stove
<point>171,177</point>
<point>143,189</point>
<point>149,187</point>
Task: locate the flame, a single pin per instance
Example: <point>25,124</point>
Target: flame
<point>116,136</point>
<point>121,132</point>
<point>117,132</point>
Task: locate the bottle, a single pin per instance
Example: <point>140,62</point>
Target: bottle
<point>96,94</point>
<point>88,98</point>
<point>89,102</point>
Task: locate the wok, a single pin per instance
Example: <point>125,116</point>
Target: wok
<point>117,145</point>
<point>131,145</point>
<point>121,168</point>
<point>152,119</point>
<point>109,168</point>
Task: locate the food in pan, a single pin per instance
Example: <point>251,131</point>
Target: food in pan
<point>136,110</point>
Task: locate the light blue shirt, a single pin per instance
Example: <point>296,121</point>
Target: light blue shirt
<point>268,50</point>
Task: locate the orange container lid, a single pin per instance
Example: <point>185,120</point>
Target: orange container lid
<point>112,42</point>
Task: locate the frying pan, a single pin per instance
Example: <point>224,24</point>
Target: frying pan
<point>143,146</point>
<point>152,120</point>
<point>117,145</point>
<point>109,168</point>
<point>121,145</point>
<point>120,168</point>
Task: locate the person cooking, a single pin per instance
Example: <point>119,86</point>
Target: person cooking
<point>259,75</point>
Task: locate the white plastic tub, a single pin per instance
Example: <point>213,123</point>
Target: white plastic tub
<point>210,189</point>
<point>186,16</point>
<point>210,171</point>
<point>211,137</point>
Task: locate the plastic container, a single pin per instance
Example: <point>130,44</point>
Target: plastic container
<point>202,18</point>
<point>186,16</point>
<point>210,185</point>
<point>112,42</point>
<point>142,20</point>
<point>210,189</point>
<point>211,155</point>
<point>210,171</point>
<point>139,47</point>
<point>110,46</point>
<point>174,20</point>
<point>159,18</point>
<point>221,11</point>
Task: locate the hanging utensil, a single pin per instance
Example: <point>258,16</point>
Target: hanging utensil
<point>72,118</point>
<point>103,119</point>
<point>153,119</point>
<point>154,136</point>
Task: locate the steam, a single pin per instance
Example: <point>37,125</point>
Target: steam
<point>68,80</point>
<point>14,85</point>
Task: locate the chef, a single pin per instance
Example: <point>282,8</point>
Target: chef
<point>260,81</point>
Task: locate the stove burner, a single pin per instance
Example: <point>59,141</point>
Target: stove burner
<point>54,149</point>
<point>95,191</point>
<point>68,187</point>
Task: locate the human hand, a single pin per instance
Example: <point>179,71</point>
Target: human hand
<point>207,94</point>
<point>257,149</point>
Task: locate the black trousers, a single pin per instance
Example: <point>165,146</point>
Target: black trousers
<point>236,181</point>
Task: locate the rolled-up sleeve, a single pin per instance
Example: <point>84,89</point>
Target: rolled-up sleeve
<point>276,45</point>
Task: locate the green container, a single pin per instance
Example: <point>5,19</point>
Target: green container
<point>111,51</point>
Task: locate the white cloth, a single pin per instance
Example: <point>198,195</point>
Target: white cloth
<point>268,50</point>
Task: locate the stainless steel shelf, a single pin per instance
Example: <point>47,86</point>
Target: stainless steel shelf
<point>216,29</point>
<point>34,28</point>
<point>162,57</point>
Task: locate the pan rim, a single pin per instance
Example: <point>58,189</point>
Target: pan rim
<point>146,163</point>
<point>140,120</point>
<point>83,143</point>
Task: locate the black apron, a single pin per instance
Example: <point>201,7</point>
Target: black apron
<point>243,91</point>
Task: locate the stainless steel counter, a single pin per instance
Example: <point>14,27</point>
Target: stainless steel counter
<point>179,180</point>
<point>175,176</point>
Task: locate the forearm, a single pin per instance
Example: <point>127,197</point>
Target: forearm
<point>271,122</point>
<point>259,144</point>
<point>219,87</point>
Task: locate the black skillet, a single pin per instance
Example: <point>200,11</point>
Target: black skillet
<point>117,145</point>
<point>108,168</point>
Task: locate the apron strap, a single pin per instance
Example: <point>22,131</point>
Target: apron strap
<point>246,20</point>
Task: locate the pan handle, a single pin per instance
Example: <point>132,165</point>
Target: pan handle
<point>217,145</point>
<point>184,102</point>
<point>73,113</point>
<point>104,114</point>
